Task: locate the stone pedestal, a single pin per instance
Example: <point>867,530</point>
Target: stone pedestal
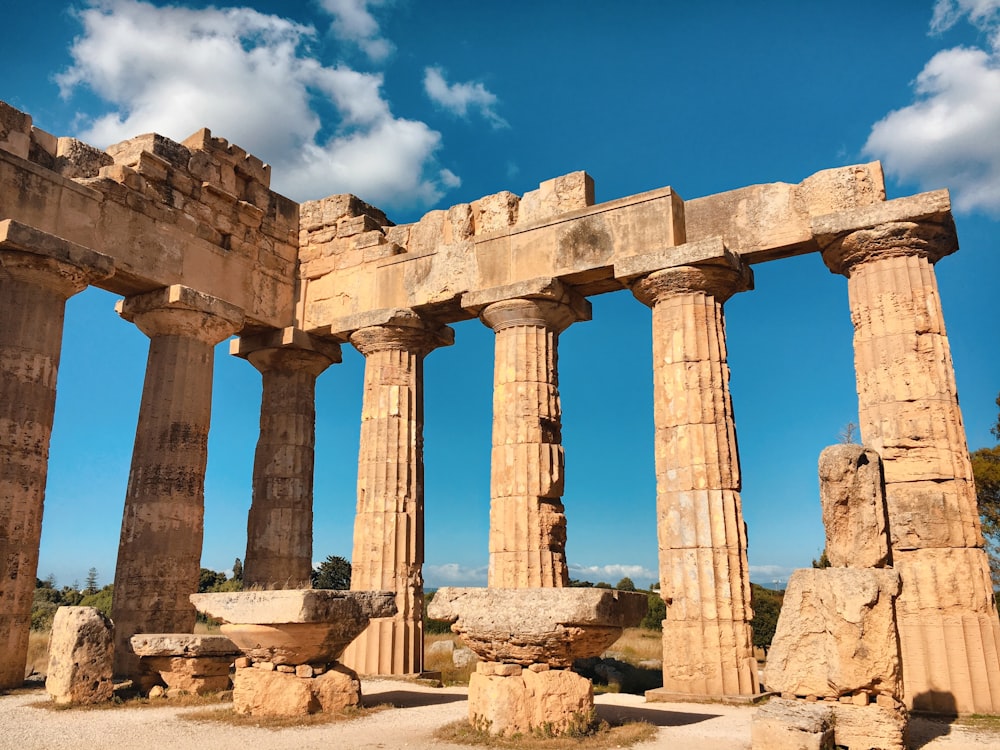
<point>704,577</point>
<point>291,641</point>
<point>38,273</point>
<point>279,525</point>
<point>506,699</point>
<point>184,662</point>
<point>527,519</point>
<point>528,639</point>
<point>389,525</point>
<point>159,554</point>
<point>80,655</point>
<point>908,411</point>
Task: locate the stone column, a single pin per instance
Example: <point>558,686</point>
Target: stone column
<point>389,525</point>
<point>38,273</point>
<point>908,411</point>
<point>704,577</point>
<point>527,518</point>
<point>280,522</point>
<point>159,554</point>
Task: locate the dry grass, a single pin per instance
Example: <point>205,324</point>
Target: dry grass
<point>450,674</point>
<point>38,652</point>
<point>181,700</point>
<point>226,715</point>
<point>638,644</point>
<point>989,722</point>
<point>599,737</point>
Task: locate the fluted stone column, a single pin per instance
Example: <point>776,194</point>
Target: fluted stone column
<point>280,522</point>
<point>38,273</point>
<point>389,525</point>
<point>159,554</point>
<point>527,518</point>
<point>704,576</point>
<point>908,411</point>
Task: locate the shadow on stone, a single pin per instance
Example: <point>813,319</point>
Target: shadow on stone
<point>620,714</point>
<point>932,716</point>
<point>409,699</point>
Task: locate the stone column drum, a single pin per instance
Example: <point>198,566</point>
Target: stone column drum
<point>527,519</point>
<point>159,553</point>
<point>704,577</point>
<point>38,273</point>
<point>908,411</point>
<point>280,522</point>
<point>389,525</point>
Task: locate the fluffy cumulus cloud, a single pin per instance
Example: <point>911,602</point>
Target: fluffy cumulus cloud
<point>453,574</point>
<point>252,79</point>
<point>459,98</point>
<point>353,22</point>
<point>948,135</point>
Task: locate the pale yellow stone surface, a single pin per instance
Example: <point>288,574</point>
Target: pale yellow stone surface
<point>389,527</point>
<point>556,699</point>
<point>39,273</point>
<point>854,512</point>
<point>908,410</point>
<point>272,693</point>
<point>80,656</point>
<point>704,575</point>
<point>836,634</point>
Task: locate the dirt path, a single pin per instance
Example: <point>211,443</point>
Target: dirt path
<point>27,725</point>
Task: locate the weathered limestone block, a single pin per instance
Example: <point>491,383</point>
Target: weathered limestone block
<point>556,196</point>
<point>853,498</point>
<point>186,662</point>
<point>792,725</point>
<point>837,634</point>
<point>295,626</point>
<point>80,656</point>
<point>15,131</point>
<point>261,692</point>
<point>525,700</point>
<point>871,726</point>
<point>550,626</point>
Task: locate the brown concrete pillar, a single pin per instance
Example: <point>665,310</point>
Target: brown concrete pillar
<point>159,554</point>
<point>280,522</point>
<point>527,518</point>
<point>908,411</point>
<point>38,273</point>
<point>389,525</point>
<point>704,577</point>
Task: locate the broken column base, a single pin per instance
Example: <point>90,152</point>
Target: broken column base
<point>506,699</point>
<point>184,662</point>
<point>265,689</point>
<point>785,724</point>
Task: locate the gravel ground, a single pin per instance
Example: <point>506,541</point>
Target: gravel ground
<point>26,724</point>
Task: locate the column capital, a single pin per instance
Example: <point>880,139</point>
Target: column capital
<point>178,310</point>
<point>544,302</point>
<point>720,281</point>
<point>919,225</point>
<point>895,239</point>
<point>45,260</point>
<point>286,350</point>
<point>406,331</point>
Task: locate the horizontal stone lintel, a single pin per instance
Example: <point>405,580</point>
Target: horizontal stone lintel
<point>17,236</point>
<point>179,297</point>
<point>340,330</point>
<point>288,337</point>
<point>182,644</point>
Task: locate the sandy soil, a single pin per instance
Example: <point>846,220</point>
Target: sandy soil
<point>27,724</point>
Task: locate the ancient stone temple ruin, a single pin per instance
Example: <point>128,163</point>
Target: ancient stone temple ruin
<point>200,249</point>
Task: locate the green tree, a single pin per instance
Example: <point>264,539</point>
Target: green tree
<point>90,587</point>
<point>238,570</point>
<point>602,585</point>
<point>823,561</point>
<point>656,613</point>
<point>577,584</point>
<point>625,584</point>
<point>333,573</point>
<point>986,470</point>
<point>209,579</point>
<point>100,599</point>
<point>766,608</point>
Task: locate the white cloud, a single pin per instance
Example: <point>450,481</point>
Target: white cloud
<point>770,574</point>
<point>457,98</point>
<point>453,574</point>
<point>248,76</point>
<point>948,136</point>
<point>614,572</point>
<point>354,22</point>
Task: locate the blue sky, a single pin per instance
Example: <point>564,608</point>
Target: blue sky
<point>417,105</point>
